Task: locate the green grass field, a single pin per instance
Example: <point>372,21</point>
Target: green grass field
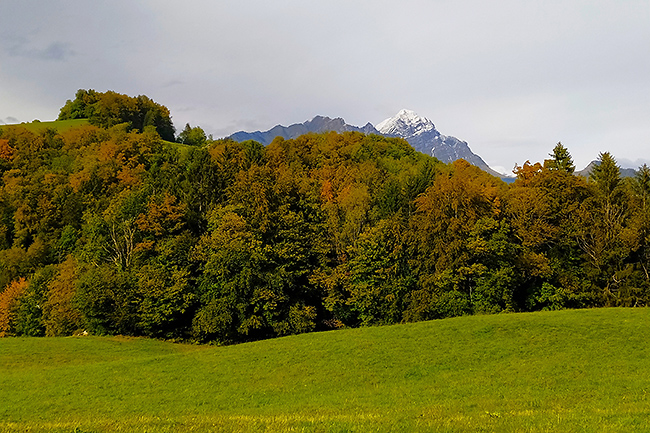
<point>567,371</point>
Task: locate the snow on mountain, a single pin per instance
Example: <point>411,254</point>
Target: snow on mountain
<point>421,133</point>
<point>406,123</point>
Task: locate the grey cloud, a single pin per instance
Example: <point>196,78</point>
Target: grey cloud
<point>55,51</point>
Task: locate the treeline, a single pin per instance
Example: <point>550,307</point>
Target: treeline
<point>111,231</point>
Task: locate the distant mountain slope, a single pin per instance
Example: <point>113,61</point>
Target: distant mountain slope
<point>625,172</point>
<point>317,124</point>
<point>419,131</point>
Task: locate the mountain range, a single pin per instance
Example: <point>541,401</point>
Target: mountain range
<point>419,131</point>
<point>317,124</point>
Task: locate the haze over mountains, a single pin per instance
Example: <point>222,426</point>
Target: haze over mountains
<point>419,131</point>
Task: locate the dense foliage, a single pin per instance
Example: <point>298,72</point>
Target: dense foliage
<point>113,231</point>
<point>107,109</point>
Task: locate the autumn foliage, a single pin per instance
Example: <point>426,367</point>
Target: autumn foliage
<point>108,229</point>
<point>9,303</point>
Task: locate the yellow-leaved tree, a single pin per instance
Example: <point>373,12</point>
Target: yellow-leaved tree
<point>9,303</point>
<point>59,314</point>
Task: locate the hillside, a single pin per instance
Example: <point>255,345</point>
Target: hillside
<point>62,126</point>
<point>107,229</point>
<point>116,232</point>
<point>567,371</point>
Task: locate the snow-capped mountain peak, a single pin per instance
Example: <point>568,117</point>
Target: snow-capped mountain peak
<point>406,123</point>
<point>419,131</point>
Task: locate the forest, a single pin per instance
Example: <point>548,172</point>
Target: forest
<point>120,227</point>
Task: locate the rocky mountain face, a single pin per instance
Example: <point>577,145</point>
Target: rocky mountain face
<point>419,131</point>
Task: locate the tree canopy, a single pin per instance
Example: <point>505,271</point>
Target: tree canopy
<point>107,109</point>
<point>108,229</point>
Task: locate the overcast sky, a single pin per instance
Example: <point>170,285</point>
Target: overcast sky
<point>512,78</point>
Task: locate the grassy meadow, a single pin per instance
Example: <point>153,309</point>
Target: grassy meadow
<point>566,371</point>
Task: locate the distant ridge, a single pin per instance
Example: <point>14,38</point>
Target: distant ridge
<point>419,131</point>
<point>585,172</point>
<point>317,124</point>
